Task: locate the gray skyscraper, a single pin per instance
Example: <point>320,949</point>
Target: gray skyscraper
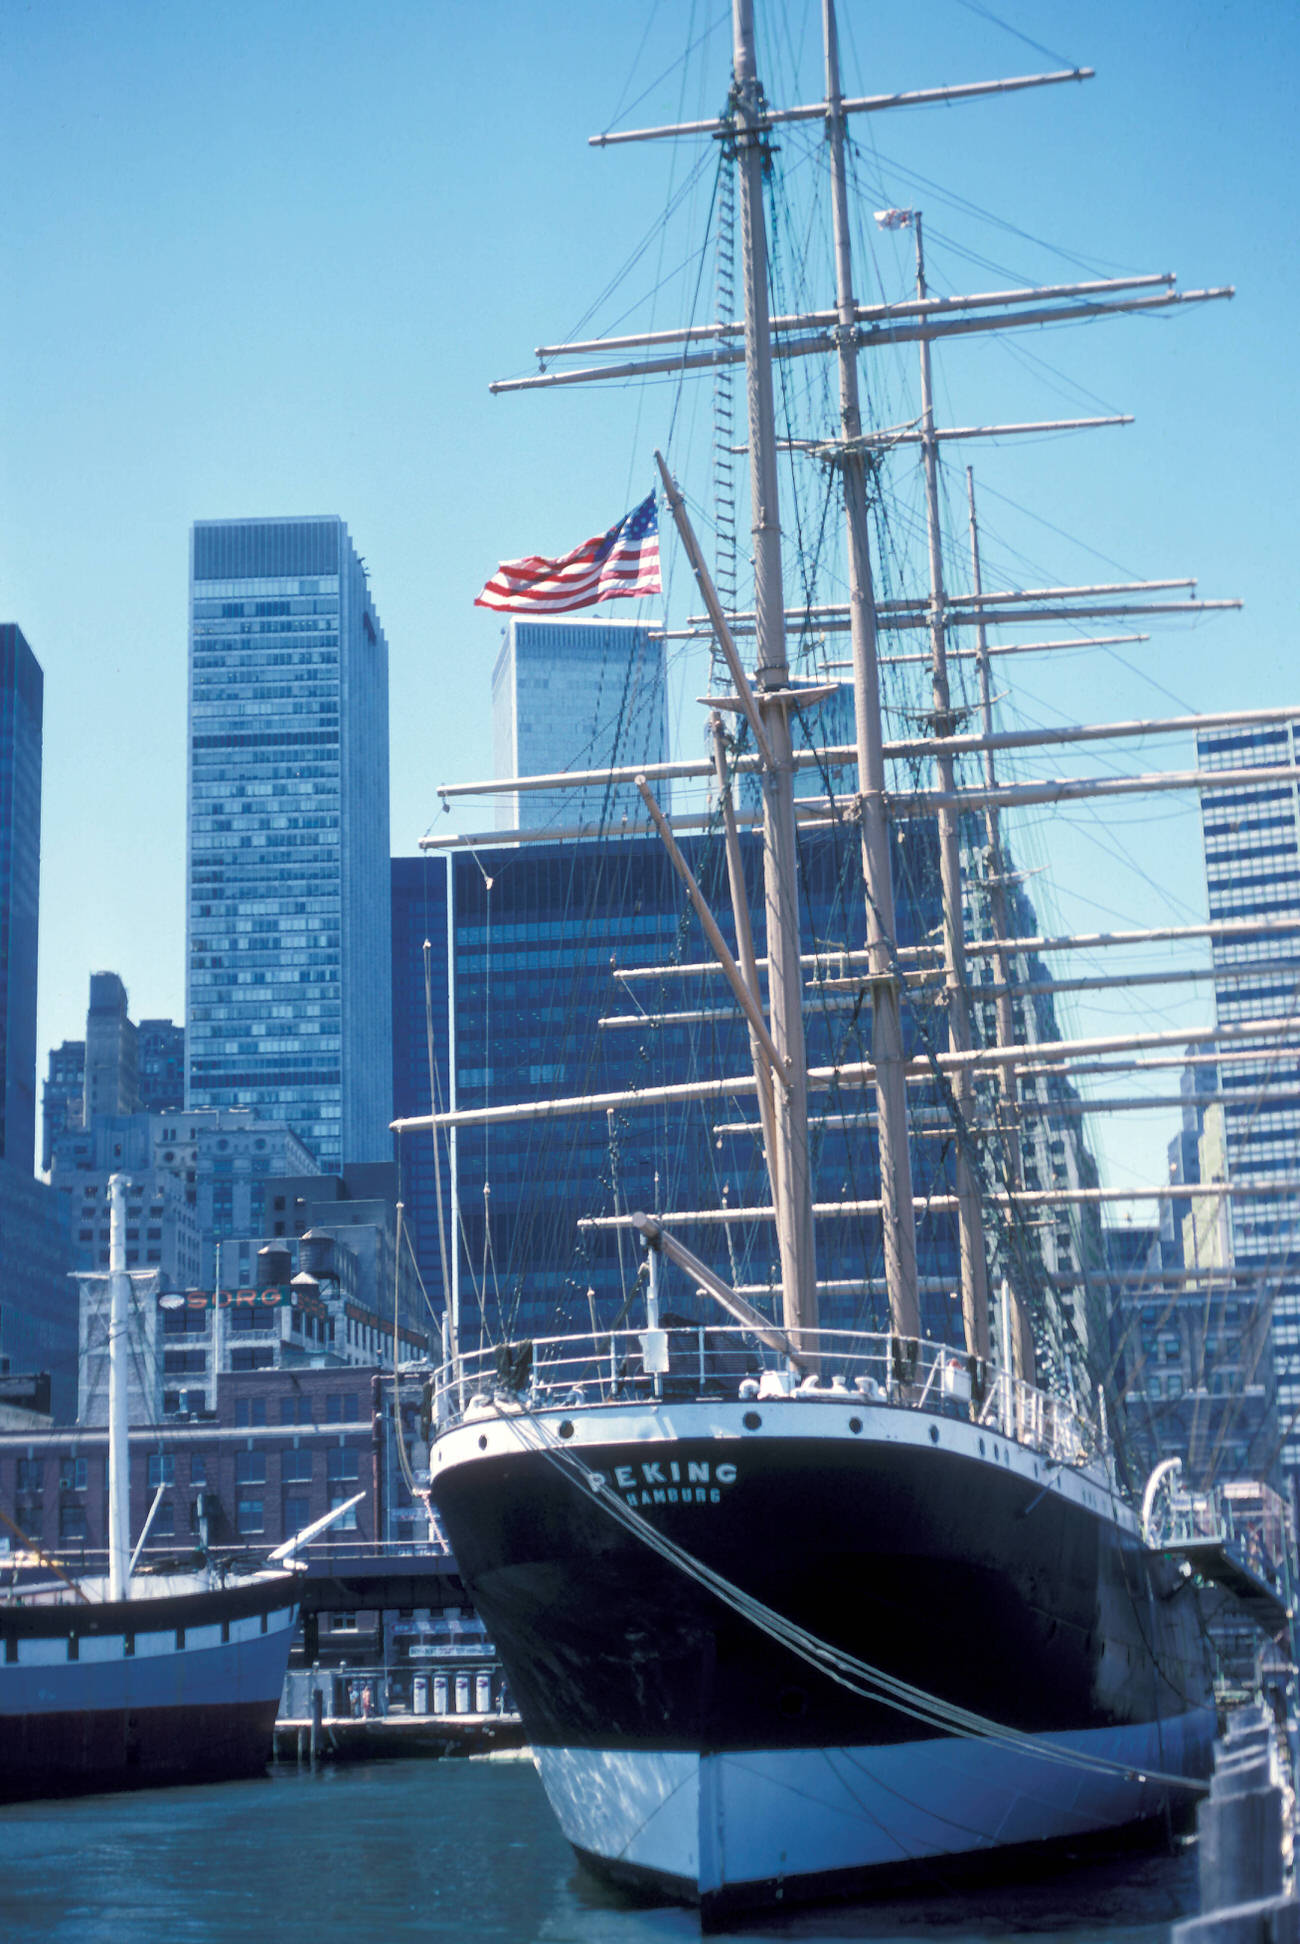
<point>22,689</point>
<point>289,966</point>
<point>577,695</point>
<point>1252,868</point>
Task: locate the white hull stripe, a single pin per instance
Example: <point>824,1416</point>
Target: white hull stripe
<point>706,1823</point>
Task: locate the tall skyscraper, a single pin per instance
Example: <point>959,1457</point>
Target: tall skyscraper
<point>38,1310</point>
<point>22,689</point>
<point>289,958</point>
<point>576,695</point>
<point>1252,869</point>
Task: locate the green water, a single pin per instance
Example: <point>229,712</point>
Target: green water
<point>440,1850</point>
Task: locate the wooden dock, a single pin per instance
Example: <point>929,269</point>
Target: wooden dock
<point>349,1738</point>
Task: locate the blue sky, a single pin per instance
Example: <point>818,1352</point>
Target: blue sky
<point>266,258</point>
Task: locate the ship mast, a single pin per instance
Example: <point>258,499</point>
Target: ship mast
<point>898,1218</point>
<point>791,1186</point>
<point>119,1428</point>
<point>974,1272</point>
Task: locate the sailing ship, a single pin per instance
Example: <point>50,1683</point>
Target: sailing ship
<point>789,1608</point>
<point>131,1679</point>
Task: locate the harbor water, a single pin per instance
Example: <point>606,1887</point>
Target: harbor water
<point>453,1849</point>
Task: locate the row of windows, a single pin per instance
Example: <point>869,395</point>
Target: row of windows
<point>297,603</point>
<point>233,631</point>
<point>1284,902</point>
<point>209,777</point>
<point>247,586</point>
<point>226,817</point>
<point>250,1513</point>
<point>340,1407</point>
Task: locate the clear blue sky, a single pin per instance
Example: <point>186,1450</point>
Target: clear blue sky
<point>265,258</point>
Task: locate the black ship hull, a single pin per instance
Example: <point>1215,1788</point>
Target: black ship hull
<point>685,1747</point>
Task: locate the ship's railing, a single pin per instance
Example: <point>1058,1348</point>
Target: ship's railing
<point>701,1362</point>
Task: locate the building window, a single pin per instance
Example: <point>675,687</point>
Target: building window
<point>250,1467</point>
<point>162,1469</point>
<point>339,1494</point>
<point>185,1363</point>
<point>248,1410</point>
<point>343,1463</point>
<point>72,1474</point>
<point>30,1475</point>
<point>260,1358</point>
<point>249,1516</point>
<point>297,1513</point>
<point>198,1468</point>
<point>72,1523</point>
<point>296,1467</point>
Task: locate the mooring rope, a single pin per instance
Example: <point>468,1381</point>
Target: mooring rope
<point>858,1676</point>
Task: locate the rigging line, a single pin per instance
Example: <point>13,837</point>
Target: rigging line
<point>986,13</point>
<point>847,1670</point>
<point>1058,381</point>
<point>640,249</point>
<point>419,1276</point>
<point>1028,512</point>
<point>398,1429</point>
<point>434,1090</point>
<point>625,107</point>
<point>1097,265</point>
<point>701,258</point>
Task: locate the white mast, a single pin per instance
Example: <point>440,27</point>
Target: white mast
<point>119,1427</point>
<point>898,1220</point>
<point>791,1188</point>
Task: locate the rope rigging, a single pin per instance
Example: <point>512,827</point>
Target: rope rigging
<point>847,1670</point>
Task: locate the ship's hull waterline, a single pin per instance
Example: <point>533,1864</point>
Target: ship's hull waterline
<point>688,1749</point>
<point>110,1695</point>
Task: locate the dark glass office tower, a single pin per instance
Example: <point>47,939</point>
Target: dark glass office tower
<point>525,1001</point>
<point>22,688</point>
<point>38,1304</point>
<point>289,966</point>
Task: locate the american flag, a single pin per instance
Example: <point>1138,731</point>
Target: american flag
<point>623,561</point>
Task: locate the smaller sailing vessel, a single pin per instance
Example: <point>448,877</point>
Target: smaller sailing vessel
<point>133,1680</point>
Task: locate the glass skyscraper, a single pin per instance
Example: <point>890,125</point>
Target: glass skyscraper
<point>1252,869</point>
<point>22,688</point>
<point>289,956</point>
<point>572,694</point>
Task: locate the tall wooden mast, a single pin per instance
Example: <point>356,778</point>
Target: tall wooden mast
<point>898,1219</point>
<point>792,1191</point>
